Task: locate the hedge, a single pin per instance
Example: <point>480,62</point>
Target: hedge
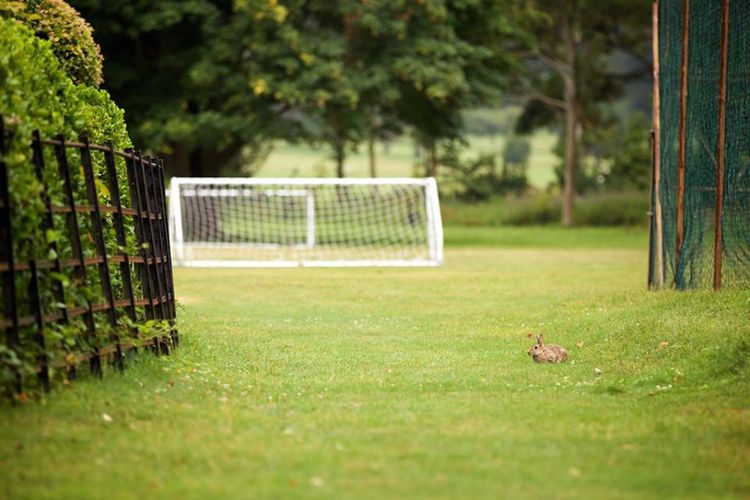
<point>38,95</point>
<point>69,34</point>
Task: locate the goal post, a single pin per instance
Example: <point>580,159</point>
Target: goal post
<point>257,222</point>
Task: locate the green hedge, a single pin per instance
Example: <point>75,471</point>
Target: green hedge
<point>37,94</point>
<point>69,34</point>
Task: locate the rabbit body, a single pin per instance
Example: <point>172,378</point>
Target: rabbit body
<point>547,353</point>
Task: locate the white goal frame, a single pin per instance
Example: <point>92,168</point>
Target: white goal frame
<point>296,187</point>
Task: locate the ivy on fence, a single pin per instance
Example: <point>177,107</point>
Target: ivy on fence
<point>98,282</point>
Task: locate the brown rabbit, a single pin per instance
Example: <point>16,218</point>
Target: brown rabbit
<point>547,353</point>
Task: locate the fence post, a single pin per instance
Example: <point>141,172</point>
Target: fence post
<point>157,195</point>
<point>6,256</point>
<point>118,217</point>
<point>154,244</point>
<point>682,151</point>
<point>720,143</point>
<point>657,228</point>
<point>135,200</point>
<point>36,307</point>
<point>75,244</point>
<point>48,223</point>
<point>168,252</point>
<point>101,248</point>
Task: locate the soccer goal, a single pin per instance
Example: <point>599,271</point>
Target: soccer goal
<point>254,222</point>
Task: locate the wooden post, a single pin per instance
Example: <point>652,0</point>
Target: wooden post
<point>682,138</point>
<point>656,119</point>
<point>720,142</point>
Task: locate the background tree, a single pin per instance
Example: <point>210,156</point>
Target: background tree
<point>570,70</point>
<point>228,77</point>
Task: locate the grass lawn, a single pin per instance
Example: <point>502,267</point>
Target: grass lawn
<point>382,383</point>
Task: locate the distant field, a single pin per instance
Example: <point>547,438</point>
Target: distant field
<point>398,158</point>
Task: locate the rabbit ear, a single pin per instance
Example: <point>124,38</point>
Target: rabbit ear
<point>540,339</point>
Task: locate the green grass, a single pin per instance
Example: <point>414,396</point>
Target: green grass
<point>290,160</point>
<point>382,383</point>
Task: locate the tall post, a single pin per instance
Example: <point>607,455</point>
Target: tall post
<point>682,158</point>
<point>657,227</point>
<point>720,141</point>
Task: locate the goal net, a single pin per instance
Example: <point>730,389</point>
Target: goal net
<point>251,222</point>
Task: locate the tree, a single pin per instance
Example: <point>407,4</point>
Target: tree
<point>210,80</point>
<point>455,59</point>
<point>150,49</point>
<point>569,71</point>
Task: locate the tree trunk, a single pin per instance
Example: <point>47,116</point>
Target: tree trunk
<point>371,154</point>
<point>339,156</point>
<point>572,120</point>
<point>195,162</point>
<point>432,160</point>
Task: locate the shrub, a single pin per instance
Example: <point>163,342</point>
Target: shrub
<point>37,94</point>
<point>69,34</point>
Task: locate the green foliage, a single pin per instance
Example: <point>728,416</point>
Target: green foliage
<point>578,59</point>
<point>69,34</point>
<point>616,156</point>
<point>468,178</point>
<point>515,163</point>
<point>628,148</point>
<point>627,208</point>
<point>335,73</point>
<point>38,95</point>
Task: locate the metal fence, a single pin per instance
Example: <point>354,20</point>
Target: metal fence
<point>145,287</point>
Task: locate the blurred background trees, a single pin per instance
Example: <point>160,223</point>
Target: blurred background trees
<point>229,79</point>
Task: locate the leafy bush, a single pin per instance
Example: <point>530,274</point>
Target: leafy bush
<point>69,34</point>
<point>477,179</point>
<point>37,94</point>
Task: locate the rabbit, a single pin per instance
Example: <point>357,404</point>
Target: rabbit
<point>547,353</point>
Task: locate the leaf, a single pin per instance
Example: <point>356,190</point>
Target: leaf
<point>52,235</point>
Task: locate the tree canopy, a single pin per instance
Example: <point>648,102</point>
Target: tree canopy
<point>206,80</point>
